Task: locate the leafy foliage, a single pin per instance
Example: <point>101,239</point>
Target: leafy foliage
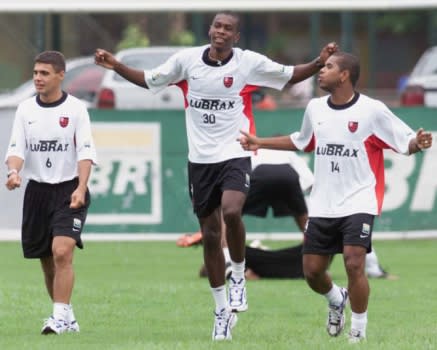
<point>133,36</point>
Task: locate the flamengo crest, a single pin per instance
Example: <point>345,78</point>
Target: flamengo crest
<point>353,126</point>
<point>227,81</point>
<point>63,121</point>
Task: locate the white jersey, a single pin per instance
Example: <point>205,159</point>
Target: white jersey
<point>348,143</point>
<point>269,156</point>
<point>52,138</point>
<point>217,97</point>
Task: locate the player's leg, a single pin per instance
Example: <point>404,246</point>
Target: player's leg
<point>321,242</point>
<point>232,204</point>
<point>212,252</point>
<point>235,182</point>
<point>357,231</point>
<point>374,268</point>
<point>36,237</point>
<point>63,281</point>
<point>67,226</point>
<point>48,268</point>
<point>224,319</point>
<point>358,288</point>
<point>315,271</point>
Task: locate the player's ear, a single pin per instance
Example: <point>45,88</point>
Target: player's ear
<point>344,75</point>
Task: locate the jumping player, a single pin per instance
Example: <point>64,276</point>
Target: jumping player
<point>217,81</point>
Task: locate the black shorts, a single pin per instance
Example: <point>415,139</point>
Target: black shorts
<point>280,263</point>
<point>276,186</point>
<point>47,213</point>
<point>327,236</point>
<point>207,182</point>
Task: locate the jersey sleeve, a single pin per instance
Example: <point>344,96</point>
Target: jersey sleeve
<point>17,142</point>
<point>170,72</point>
<point>85,147</point>
<point>392,130</point>
<point>304,138</point>
<point>266,72</point>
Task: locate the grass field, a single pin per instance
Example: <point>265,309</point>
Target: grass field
<point>146,295</point>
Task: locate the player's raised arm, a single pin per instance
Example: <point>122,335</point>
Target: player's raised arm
<point>306,70</point>
<point>107,60</point>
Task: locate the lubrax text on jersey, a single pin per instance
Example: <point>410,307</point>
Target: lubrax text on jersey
<point>48,146</point>
<point>332,149</point>
<point>213,105</point>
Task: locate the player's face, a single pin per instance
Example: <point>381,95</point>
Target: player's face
<point>223,32</point>
<point>330,76</point>
<point>46,80</point>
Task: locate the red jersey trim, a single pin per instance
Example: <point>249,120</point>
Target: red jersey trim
<point>374,148</point>
<point>246,94</point>
<point>183,85</point>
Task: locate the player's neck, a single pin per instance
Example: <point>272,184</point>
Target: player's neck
<point>51,97</point>
<point>218,56</point>
<point>342,97</point>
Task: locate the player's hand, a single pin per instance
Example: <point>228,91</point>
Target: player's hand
<point>77,199</point>
<point>14,181</point>
<point>248,142</point>
<point>327,51</point>
<point>105,59</point>
<point>423,139</point>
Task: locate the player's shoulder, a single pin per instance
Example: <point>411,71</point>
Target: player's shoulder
<point>74,101</point>
<point>27,103</point>
<point>248,54</point>
<point>370,102</point>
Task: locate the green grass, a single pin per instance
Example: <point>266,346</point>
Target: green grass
<point>146,295</point>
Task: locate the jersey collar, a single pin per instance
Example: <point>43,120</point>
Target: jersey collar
<point>346,105</point>
<point>52,104</point>
<point>210,62</point>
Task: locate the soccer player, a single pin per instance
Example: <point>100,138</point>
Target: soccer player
<point>217,80</point>
<point>348,132</point>
<point>51,142</point>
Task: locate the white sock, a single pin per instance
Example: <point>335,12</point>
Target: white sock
<point>71,316</point>
<point>226,254</point>
<point>60,311</point>
<point>372,265</point>
<point>219,294</point>
<point>238,270</point>
<point>334,296</point>
<point>359,322</point>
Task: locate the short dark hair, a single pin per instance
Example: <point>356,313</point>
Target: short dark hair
<point>233,14</point>
<point>350,63</point>
<point>55,58</point>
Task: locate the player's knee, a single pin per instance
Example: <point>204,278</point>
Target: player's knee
<point>62,254</point>
<point>232,215</point>
<point>354,265</point>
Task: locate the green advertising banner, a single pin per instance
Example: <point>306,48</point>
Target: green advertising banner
<point>140,183</point>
